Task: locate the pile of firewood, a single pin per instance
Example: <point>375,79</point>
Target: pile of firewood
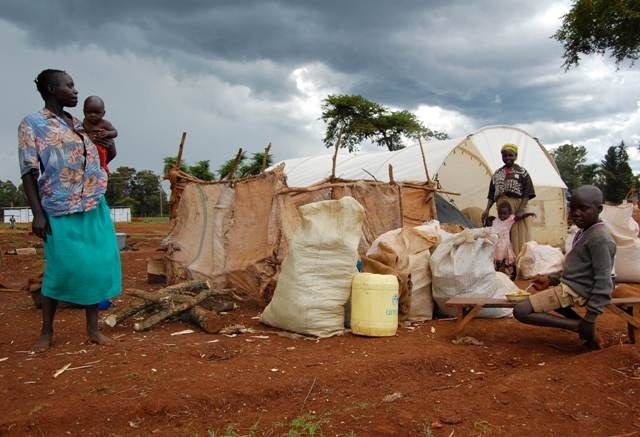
<point>192,301</point>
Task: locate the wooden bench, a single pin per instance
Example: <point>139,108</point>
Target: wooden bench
<point>627,308</point>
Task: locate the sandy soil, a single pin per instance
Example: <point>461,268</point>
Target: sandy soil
<point>523,381</point>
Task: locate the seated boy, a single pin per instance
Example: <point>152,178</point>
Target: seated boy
<point>99,130</point>
<point>586,279</point>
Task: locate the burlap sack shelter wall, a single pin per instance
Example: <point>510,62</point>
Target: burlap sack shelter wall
<point>235,233</point>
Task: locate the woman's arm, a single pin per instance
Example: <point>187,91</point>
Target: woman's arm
<point>40,224</point>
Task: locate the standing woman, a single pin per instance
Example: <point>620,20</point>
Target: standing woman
<point>65,187</point>
<point>512,184</point>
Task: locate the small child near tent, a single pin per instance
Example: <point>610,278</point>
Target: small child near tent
<point>503,255</point>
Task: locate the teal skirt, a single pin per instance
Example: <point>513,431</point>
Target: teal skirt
<point>82,261</point>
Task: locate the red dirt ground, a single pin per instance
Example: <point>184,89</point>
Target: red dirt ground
<point>523,381</point>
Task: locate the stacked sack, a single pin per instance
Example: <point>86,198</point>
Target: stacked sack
<point>315,279</point>
<point>624,229</point>
<point>462,266</point>
<point>537,259</point>
<point>405,253</point>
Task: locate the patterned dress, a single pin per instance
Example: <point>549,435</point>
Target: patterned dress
<point>81,253</point>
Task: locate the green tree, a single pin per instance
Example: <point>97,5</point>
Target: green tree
<point>170,161</point>
<point>201,170</point>
<point>351,119</point>
<point>348,119</point>
<point>254,166</point>
<point>591,174</point>
<point>119,186</point>
<point>600,26</point>
<point>617,174</point>
<point>390,127</point>
<point>225,169</point>
<point>146,191</point>
<point>9,194</point>
<point>570,161</point>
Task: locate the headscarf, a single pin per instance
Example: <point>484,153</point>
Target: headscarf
<point>510,148</point>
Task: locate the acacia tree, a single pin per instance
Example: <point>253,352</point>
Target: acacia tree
<point>600,26</point>
<point>352,119</point>
<point>348,119</point>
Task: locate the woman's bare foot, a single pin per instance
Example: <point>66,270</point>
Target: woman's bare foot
<point>99,338</point>
<point>43,343</point>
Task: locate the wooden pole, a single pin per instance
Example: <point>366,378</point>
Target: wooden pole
<point>424,159</point>
<point>391,179</point>
<point>264,158</point>
<point>370,174</point>
<point>180,149</point>
<point>335,154</point>
<point>234,166</point>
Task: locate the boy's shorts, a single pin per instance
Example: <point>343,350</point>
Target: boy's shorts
<point>560,296</point>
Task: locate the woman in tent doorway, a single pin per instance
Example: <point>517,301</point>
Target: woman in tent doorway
<point>512,184</point>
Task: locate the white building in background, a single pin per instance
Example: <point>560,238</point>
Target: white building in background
<point>119,214</point>
<point>22,215</point>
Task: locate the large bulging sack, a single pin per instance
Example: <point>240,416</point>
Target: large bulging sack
<point>619,220</point>
<point>539,259</point>
<point>463,266</point>
<point>315,280</point>
<point>627,262</point>
<point>405,253</point>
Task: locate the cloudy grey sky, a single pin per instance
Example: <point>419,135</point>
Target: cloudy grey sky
<point>246,73</point>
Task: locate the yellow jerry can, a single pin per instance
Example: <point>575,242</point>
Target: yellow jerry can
<point>374,305</point>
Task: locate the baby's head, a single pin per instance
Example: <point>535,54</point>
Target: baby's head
<point>93,109</point>
<point>504,210</point>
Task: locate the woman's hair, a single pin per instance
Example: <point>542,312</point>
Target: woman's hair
<point>505,205</point>
<point>46,79</point>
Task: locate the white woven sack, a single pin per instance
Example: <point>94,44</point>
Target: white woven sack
<point>462,266</point>
<point>619,220</point>
<point>539,259</point>
<point>627,262</point>
<point>315,280</point>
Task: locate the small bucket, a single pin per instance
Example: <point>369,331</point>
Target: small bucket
<point>122,240</point>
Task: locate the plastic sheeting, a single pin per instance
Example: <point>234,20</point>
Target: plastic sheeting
<point>462,165</point>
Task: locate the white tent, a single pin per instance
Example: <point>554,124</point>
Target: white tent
<point>462,165</point>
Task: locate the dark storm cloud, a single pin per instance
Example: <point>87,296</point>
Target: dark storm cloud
<point>458,55</point>
<point>223,66</point>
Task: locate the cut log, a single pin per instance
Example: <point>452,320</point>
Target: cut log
<point>173,310</point>
<point>209,321</point>
<point>196,285</point>
<point>113,319</point>
<point>158,296</point>
<point>167,299</point>
<point>213,304</point>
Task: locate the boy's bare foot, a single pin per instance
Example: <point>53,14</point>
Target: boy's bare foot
<point>99,338</point>
<point>43,343</point>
